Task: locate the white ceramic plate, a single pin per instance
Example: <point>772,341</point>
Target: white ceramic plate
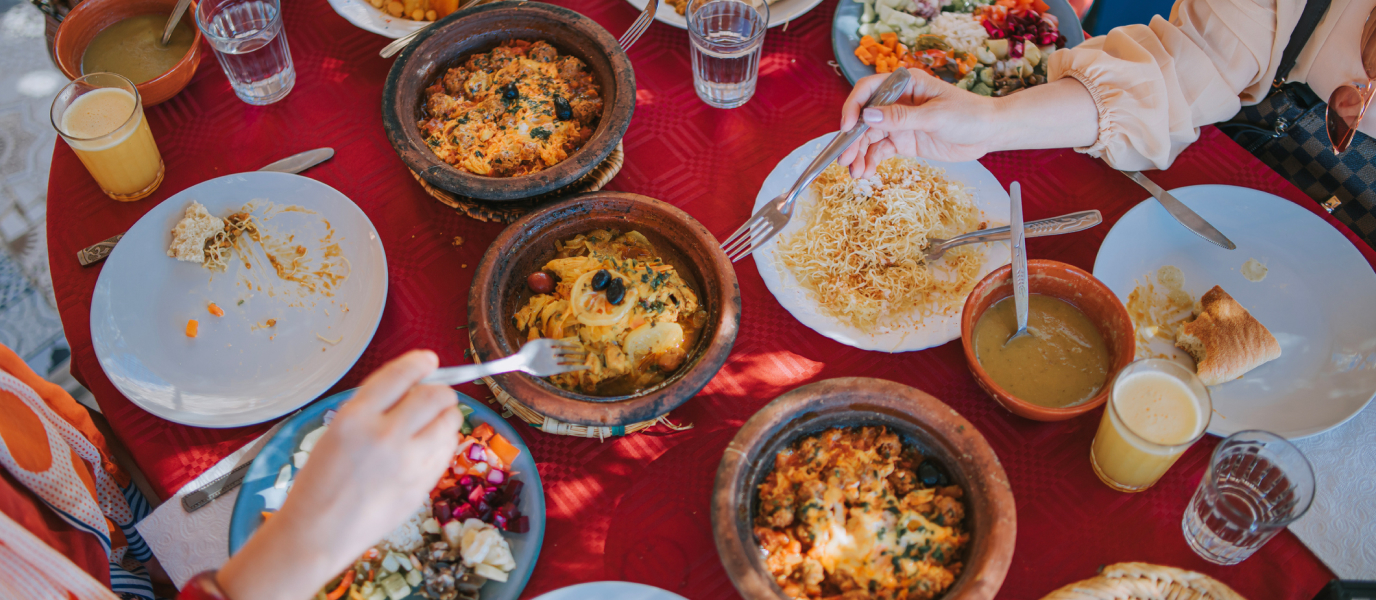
<point>610,590</point>
<point>780,12</point>
<point>990,197</point>
<point>845,34</point>
<point>366,16</point>
<point>236,371</point>
<point>1316,299</point>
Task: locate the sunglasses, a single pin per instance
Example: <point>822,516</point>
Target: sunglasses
<point>1349,102</point>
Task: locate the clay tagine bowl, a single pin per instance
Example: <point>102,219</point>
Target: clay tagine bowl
<point>453,39</point>
<point>1068,283</point>
<point>90,17</point>
<point>940,434</point>
<point>499,290</point>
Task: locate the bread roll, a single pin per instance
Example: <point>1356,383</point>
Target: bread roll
<point>1225,340</point>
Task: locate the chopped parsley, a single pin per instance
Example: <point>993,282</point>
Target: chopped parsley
<point>540,133</point>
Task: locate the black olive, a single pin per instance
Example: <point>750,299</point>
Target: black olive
<point>600,280</point>
<point>562,110</point>
<point>510,91</point>
<point>929,475</point>
<point>616,291</point>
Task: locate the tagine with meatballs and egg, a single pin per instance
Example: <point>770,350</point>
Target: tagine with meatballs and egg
<point>613,294</point>
<point>520,108</point>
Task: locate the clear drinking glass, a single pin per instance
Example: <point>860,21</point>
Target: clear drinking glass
<point>1257,483</point>
<point>251,45</point>
<point>1156,410</point>
<point>726,36</point>
<point>100,116</point>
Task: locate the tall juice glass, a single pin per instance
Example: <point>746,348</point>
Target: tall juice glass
<point>251,45</point>
<point>1156,410</point>
<point>101,117</point>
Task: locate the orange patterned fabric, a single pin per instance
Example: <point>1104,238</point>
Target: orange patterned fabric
<point>49,445</point>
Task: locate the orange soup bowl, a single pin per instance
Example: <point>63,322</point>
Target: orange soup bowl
<point>1068,283</point>
<point>90,17</point>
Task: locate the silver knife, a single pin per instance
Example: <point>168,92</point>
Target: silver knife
<point>1190,219</point>
<point>295,163</point>
<point>216,488</point>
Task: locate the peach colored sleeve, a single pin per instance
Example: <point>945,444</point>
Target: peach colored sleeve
<point>1156,85</point>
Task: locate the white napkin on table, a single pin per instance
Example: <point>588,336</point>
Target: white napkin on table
<point>1340,527</point>
<point>188,543</point>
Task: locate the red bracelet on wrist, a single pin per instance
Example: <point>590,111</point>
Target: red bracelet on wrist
<point>202,587</point>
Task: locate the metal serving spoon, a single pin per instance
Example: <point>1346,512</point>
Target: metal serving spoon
<point>1019,261</point>
<point>172,20</point>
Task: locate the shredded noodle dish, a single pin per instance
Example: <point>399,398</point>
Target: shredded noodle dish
<point>859,252</point>
<point>631,312</point>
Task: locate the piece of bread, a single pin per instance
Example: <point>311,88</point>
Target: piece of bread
<point>191,233</point>
<point>1225,340</point>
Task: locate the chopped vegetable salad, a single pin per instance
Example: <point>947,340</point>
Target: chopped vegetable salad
<point>990,47</point>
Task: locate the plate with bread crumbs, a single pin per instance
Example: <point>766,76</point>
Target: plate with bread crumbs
<point>239,300</point>
<point>1279,329</point>
<point>849,263</point>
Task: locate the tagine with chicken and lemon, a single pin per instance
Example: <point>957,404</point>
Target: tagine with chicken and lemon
<point>632,313</point>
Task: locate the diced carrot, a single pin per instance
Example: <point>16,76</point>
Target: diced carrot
<point>504,450</point>
<point>267,515</point>
<point>446,482</point>
<point>1040,6</point>
<point>192,327</point>
<point>864,55</point>
<point>1006,3</point>
<point>483,432</point>
<point>868,41</point>
<point>881,51</point>
<point>372,554</point>
<point>343,586</point>
<point>216,310</point>
<point>889,39</point>
<point>460,464</point>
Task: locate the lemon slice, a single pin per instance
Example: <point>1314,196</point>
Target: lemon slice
<point>591,307</point>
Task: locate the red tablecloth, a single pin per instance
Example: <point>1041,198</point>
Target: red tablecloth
<point>636,508</point>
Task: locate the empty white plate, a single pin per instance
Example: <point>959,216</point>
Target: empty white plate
<point>238,370</point>
<point>1317,299</point>
<point>990,197</point>
<point>610,590</point>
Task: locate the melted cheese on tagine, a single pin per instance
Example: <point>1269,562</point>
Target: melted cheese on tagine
<point>859,254</point>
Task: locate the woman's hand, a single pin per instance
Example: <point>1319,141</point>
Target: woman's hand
<point>936,120</point>
<point>932,119</point>
<point>382,454</point>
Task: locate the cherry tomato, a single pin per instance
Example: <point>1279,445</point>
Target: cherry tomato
<point>540,282</point>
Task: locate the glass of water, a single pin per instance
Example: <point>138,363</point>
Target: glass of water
<point>249,41</point>
<point>727,36</point>
<point>1256,484</point>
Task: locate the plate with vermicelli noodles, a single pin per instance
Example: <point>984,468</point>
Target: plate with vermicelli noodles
<point>849,264</point>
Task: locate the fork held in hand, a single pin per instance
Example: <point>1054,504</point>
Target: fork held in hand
<point>774,215</point>
<point>542,358</point>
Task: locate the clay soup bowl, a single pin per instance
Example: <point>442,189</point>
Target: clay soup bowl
<point>90,17</point>
<point>1068,283</point>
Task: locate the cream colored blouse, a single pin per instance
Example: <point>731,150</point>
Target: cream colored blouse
<point>1156,85</point>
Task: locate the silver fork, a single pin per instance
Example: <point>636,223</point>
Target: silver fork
<point>774,215</point>
<point>542,358</point>
<point>1070,223</point>
<point>391,49</point>
<point>638,28</point>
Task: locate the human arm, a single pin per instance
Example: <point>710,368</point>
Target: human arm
<point>1151,86</point>
<point>383,452</point>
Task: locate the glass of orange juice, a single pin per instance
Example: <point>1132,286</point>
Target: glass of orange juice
<point>1156,410</point>
<point>100,116</point>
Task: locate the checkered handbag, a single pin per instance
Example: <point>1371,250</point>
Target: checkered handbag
<point>1287,132</point>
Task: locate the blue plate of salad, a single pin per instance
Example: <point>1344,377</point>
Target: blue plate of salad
<point>990,47</point>
<point>477,536</point>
